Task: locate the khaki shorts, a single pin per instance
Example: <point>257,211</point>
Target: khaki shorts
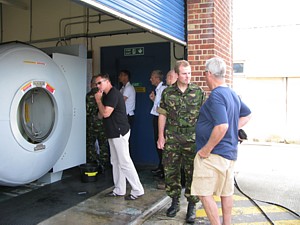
<point>213,176</point>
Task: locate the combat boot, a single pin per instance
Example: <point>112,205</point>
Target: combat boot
<point>191,213</point>
<point>174,208</point>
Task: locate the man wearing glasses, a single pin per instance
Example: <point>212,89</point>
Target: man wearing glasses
<point>113,111</point>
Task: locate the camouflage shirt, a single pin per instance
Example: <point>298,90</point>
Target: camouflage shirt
<point>181,109</point>
<point>91,108</point>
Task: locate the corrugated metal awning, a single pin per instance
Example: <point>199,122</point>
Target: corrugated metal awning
<point>162,17</point>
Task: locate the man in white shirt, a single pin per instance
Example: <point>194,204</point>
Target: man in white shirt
<point>156,80</point>
<point>129,95</point>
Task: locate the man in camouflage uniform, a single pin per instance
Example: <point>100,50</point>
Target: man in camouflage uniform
<point>178,113</point>
<point>95,131</point>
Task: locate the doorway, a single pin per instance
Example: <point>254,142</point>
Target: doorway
<point>140,60</point>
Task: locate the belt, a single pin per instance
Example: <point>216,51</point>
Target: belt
<point>181,129</point>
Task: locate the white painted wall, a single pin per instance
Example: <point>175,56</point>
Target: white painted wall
<point>274,104</point>
<point>267,41</point>
<point>293,109</point>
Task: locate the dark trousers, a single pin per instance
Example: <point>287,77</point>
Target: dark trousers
<point>130,121</point>
<point>159,151</point>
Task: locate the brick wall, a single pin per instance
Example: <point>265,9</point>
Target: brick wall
<point>209,25</point>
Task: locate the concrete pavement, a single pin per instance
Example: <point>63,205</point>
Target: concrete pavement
<point>267,172</point>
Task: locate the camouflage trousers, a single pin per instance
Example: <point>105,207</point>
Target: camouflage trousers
<point>95,132</point>
<point>179,153</point>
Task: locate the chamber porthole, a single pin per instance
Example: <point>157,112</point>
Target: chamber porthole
<point>36,115</point>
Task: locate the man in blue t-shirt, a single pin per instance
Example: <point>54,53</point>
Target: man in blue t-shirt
<point>220,118</point>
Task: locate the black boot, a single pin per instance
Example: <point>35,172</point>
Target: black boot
<point>191,213</point>
<point>174,208</point>
<point>101,168</point>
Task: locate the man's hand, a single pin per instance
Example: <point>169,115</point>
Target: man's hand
<point>161,143</point>
<point>98,96</point>
<point>152,96</point>
<point>203,153</point>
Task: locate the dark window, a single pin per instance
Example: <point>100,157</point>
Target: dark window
<point>238,67</point>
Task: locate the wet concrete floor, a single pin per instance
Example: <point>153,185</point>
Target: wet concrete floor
<point>267,172</point>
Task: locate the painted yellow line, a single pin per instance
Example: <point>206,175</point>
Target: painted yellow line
<point>287,222</point>
<point>235,198</point>
<point>253,223</point>
<point>279,222</point>
<point>239,198</point>
<point>217,198</point>
<point>255,210</point>
<point>245,210</point>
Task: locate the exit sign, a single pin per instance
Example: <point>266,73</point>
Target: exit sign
<point>134,51</point>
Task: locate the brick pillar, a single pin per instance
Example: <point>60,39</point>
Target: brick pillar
<point>209,34</point>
